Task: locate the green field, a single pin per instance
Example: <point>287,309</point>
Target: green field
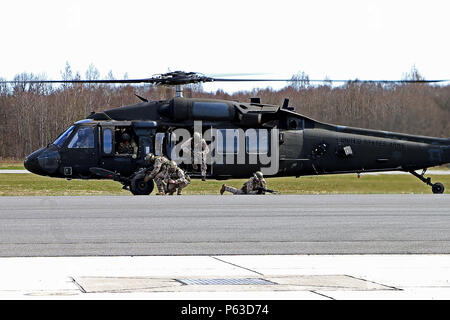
<point>33,185</point>
<point>11,165</point>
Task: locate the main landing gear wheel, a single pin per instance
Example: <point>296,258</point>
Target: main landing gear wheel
<point>139,187</point>
<point>438,188</point>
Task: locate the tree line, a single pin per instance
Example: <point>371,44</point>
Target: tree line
<point>33,115</point>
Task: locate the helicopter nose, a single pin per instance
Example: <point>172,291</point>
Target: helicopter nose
<point>44,161</point>
<point>31,162</point>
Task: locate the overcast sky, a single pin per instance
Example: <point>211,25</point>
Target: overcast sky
<point>335,39</point>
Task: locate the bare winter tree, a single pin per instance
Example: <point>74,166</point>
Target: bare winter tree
<point>31,116</point>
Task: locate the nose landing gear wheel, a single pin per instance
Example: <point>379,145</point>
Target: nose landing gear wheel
<point>438,188</point>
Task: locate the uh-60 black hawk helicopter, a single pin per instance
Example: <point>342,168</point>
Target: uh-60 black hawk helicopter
<point>297,144</point>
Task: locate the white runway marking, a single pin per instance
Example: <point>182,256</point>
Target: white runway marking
<point>293,276</point>
<point>14,171</point>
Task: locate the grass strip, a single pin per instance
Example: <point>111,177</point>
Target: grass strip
<point>34,185</point>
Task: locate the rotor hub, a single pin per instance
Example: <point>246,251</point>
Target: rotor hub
<point>176,78</point>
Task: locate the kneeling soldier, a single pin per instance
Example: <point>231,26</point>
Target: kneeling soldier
<point>250,187</point>
<point>160,166</point>
<point>175,179</point>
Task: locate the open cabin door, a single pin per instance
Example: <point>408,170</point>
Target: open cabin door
<point>171,145</point>
<point>111,158</point>
<point>240,153</point>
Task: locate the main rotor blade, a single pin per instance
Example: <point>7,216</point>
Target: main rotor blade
<point>182,78</point>
<point>83,81</point>
<point>325,80</point>
<point>236,74</point>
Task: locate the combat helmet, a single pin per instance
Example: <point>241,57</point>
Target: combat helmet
<point>258,175</point>
<point>150,157</point>
<point>172,166</point>
<point>125,137</point>
<point>197,136</point>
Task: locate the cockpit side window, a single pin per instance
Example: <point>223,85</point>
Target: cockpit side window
<point>83,138</point>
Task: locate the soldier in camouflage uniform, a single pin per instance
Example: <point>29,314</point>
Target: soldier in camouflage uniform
<point>250,187</point>
<point>175,179</point>
<point>198,152</point>
<point>160,167</point>
<point>128,146</point>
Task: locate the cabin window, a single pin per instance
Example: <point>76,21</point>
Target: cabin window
<point>257,141</point>
<point>227,141</point>
<point>159,141</point>
<point>294,123</point>
<point>107,141</point>
<point>83,138</point>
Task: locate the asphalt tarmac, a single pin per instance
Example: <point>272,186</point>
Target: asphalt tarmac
<point>224,225</point>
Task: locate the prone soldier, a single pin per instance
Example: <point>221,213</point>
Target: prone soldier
<point>175,179</point>
<point>160,167</point>
<point>254,185</point>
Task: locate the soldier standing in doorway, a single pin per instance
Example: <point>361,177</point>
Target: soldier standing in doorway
<point>198,148</point>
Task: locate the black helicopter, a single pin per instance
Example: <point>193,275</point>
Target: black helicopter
<point>242,135</point>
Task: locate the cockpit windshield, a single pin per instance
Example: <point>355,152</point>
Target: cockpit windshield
<point>63,137</point>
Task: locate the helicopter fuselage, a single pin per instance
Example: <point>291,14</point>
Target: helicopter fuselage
<point>243,138</point>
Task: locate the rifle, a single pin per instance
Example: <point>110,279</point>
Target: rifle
<point>126,181</point>
<point>262,190</point>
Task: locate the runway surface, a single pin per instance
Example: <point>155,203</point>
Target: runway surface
<point>224,225</point>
